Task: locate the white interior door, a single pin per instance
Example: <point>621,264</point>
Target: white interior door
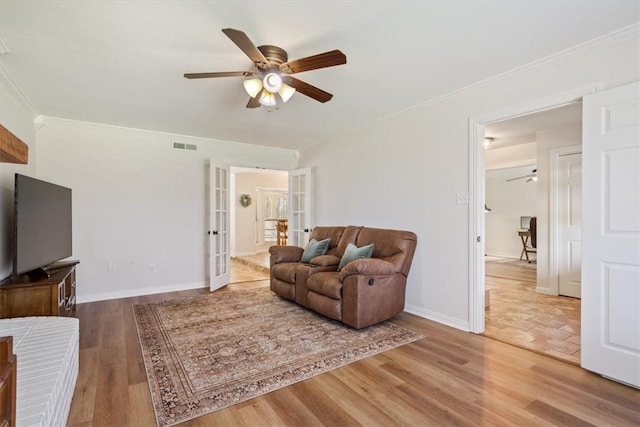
<point>611,234</point>
<point>219,237</point>
<point>570,224</point>
<point>299,223</point>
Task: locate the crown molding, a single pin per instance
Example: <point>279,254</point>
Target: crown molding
<point>12,86</point>
<point>3,47</point>
<point>620,35</point>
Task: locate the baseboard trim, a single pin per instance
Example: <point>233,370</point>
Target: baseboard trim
<point>503,255</point>
<point>437,317</point>
<point>546,291</point>
<point>140,291</point>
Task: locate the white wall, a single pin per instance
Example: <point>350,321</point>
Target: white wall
<point>137,203</point>
<point>248,183</point>
<point>18,118</point>
<point>508,201</point>
<point>404,171</point>
<point>511,157</point>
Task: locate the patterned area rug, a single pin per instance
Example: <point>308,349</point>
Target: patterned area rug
<point>208,352</point>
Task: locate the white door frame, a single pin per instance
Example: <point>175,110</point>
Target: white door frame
<point>476,188</point>
<point>554,238</point>
<point>233,166</point>
<point>259,226</point>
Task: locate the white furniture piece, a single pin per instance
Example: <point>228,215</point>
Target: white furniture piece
<point>47,352</point>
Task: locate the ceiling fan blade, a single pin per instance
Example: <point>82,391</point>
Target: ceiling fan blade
<point>254,102</point>
<point>321,60</point>
<point>530,176</point>
<point>246,45</point>
<point>221,74</point>
<point>307,89</point>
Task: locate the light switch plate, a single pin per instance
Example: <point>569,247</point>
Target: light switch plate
<point>462,198</point>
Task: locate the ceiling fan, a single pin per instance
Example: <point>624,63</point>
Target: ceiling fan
<point>273,70</point>
<point>533,176</point>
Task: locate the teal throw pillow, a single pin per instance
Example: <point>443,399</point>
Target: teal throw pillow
<point>315,248</point>
<point>353,253</point>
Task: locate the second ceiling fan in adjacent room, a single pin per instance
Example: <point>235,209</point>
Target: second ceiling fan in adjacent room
<point>533,176</point>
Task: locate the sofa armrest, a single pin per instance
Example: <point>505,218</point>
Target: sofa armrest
<point>325,261</point>
<point>368,266</point>
<point>369,299</point>
<point>285,254</point>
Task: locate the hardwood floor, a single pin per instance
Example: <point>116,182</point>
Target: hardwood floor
<point>520,316</point>
<point>448,378</point>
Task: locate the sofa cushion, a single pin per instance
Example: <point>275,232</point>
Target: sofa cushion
<point>349,235</point>
<point>332,308</point>
<point>315,248</point>
<point>328,232</point>
<point>284,289</point>
<point>281,254</point>
<point>285,271</point>
<point>325,260</point>
<point>353,253</point>
<point>325,283</point>
<point>394,246</point>
<point>370,267</point>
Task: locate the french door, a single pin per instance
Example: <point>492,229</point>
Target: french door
<point>218,255</point>
<point>299,224</point>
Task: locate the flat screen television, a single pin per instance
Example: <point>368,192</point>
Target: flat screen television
<point>42,224</point>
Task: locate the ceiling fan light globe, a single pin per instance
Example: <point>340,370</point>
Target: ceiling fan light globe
<point>286,92</point>
<point>272,82</point>
<point>267,99</point>
<point>253,87</point>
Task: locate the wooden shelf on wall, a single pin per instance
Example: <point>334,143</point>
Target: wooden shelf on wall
<point>12,148</point>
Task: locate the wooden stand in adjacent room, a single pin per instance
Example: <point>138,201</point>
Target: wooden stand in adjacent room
<point>27,295</point>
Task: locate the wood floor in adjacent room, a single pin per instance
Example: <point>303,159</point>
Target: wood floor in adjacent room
<point>448,378</point>
<point>521,316</point>
<point>248,269</point>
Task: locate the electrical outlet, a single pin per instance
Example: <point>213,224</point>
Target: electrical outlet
<point>111,265</point>
<point>462,198</point>
<point>152,268</point>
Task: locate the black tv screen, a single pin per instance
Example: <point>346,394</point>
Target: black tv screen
<point>42,224</point>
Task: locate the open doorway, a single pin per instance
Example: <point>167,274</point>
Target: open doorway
<point>258,203</point>
<point>523,181</point>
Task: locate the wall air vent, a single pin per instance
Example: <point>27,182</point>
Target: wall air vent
<point>183,146</point>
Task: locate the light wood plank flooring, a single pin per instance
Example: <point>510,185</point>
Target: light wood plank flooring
<point>246,270</point>
<point>520,316</point>
<point>449,378</point>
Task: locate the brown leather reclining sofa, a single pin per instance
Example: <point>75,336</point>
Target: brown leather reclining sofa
<point>364,292</point>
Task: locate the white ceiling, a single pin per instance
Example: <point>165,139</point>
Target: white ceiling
<point>122,62</point>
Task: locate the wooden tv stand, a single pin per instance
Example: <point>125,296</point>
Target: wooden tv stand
<point>36,295</point>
